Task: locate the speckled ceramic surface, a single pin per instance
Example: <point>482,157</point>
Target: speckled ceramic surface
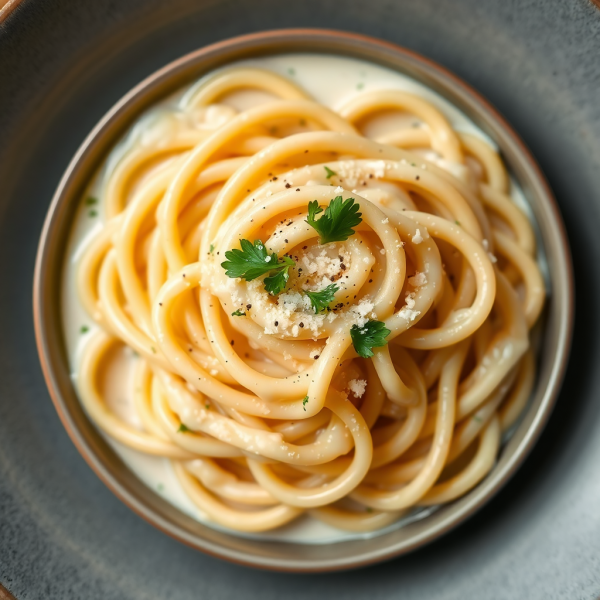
<point>62,65</point>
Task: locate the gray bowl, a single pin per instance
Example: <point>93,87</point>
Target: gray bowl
<point>108,466</point>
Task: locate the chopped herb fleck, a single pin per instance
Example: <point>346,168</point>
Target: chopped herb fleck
<point>183,429</point>
<point>329,172</point>
<point>360,86</point>
<point>153,349</point>
<point>291,71</point>
<point>304,402</point>
<point>369,509</point>
<point>84,329</point>
<point>90,200</point>
<point>238,313</point>
<point>93,213</point>
<point>211,249</point>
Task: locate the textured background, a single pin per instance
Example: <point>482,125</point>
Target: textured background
<point>63,63</point>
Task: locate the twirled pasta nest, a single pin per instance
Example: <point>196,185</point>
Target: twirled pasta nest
<point>262,402</point>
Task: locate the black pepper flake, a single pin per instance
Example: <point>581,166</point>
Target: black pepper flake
<point>183,275</point>
<point>370,281</point>
<point>287,185</point>
<point>297,189</point>
<point>316,356</point>
<point>417,177</point>
<point>248,306</point>
<point>301,324</point>
<point>232,342</point>
<point>342,266</point>
<point>160,303</point>
<point>274,178</point>
<point>304,247</point>
<point>284,240</point>
<point>370,175</point>
<point>276,323</point>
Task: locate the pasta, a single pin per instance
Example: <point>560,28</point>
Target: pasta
<point>374,357</point>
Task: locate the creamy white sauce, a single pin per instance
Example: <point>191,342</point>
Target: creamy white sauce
<point>332,81</point>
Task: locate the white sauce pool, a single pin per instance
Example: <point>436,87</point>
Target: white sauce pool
<point>332,81</point>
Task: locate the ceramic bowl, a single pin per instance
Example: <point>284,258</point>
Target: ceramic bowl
<point>556,326</point>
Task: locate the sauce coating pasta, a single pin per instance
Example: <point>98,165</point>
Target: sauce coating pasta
<point>263,401</point>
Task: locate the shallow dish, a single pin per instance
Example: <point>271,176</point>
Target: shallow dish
<point>276,555</point>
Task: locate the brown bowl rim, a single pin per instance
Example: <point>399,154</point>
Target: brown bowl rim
<point>89,442</point>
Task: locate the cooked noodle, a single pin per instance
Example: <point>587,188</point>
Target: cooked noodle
<point>270,413</point>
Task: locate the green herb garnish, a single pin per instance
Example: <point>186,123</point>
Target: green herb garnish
<point>183,429</point>
<point>329,172</point>
<point>369,509</point>
<point>90,200</point>
<point>321,300</point>
<point>304,403</point>
<point>84,329</point>
<point>253,260</point>
<point>238,313</point>
<point>93,213</point>
<point>275,284</point>
<point>337,221</point>
<point>211,249</point>
<point>371,335</point>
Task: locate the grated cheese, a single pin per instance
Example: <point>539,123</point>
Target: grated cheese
<point>357,387</point>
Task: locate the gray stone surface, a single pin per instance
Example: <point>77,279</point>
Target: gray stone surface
<point>63,63</point>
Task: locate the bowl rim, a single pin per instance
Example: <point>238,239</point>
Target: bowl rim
<point>48,329</point>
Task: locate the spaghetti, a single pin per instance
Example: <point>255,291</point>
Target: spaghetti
<point>370,362</point>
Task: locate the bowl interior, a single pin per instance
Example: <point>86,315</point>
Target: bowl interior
<point>109,467</point>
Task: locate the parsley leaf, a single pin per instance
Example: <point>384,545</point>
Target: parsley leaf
<point>371,335</point>
<point>275,284</point>
<point>211,249</point>
<point>183,429</point>
<point>329,172</point>
<point>304,403</point>
<point>238,313</point>
<point>337,221</point>
<point>321,300</point>
<point>253,260</point>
